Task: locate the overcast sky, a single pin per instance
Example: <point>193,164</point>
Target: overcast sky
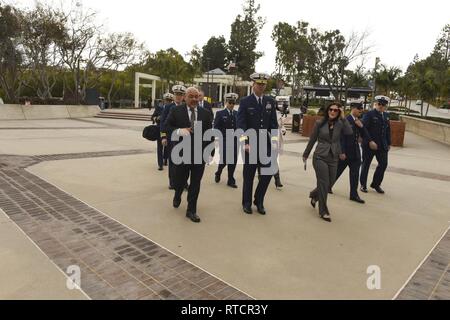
<point>398,29</point>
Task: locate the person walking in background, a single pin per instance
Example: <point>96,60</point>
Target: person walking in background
<point>327,133</point>
<point>178,94</point>
<point>202,103</point>
<point>226,120</point>
<point>156,119</point>
<point>376,144</point>
<point>351,150</point>
<point>281,134</point>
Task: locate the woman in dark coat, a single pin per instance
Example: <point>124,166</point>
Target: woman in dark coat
<point>327,133</point>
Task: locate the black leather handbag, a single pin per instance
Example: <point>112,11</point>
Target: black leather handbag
<point>151,133</point>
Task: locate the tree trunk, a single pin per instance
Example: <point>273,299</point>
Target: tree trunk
<point>428,107</point>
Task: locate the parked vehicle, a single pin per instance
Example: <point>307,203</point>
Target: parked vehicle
<point>284,103</point>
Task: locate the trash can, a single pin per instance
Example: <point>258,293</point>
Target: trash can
<point>296,123</point>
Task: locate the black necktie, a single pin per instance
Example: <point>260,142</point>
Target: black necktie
<point>192,118</point>
<point>260,102</point>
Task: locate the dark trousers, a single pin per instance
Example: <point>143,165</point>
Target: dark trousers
<point>171,166</point>
<point>261,189</point>
<point>249,177</point>
<point>325,169</point>
<point>160,152</point>
<point>182,173</point>
<point>231,166</point>
<point>354,166</point>
<point>382,159</point>
<point>166,153</point>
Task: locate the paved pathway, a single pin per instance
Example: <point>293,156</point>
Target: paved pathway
<point>115,261</point>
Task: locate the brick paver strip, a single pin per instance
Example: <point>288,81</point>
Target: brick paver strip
<point>432,279</point>
<point>115,261</point>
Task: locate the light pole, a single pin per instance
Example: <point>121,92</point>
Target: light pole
<point>209,86</point>
<point>377,61</point>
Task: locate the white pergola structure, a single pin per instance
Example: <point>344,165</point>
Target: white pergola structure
<point>224,81</point>
<point>137,77</point>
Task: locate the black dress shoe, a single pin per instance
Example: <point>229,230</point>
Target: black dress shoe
<point>217,178</point>
<point>160,169</point>
<point>313,202</point>
<point>260,208</point>
<point>232,185</point>
<point>364,189</point>
<point>377,189</point>
<point>176,203</point>
<point>193,217</point>
<point>247,209</point>
<point>278,184</point>
<point>357,199</point>
<point>326,217</point>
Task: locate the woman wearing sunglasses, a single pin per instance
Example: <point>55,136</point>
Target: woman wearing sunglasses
<point>327,133</point>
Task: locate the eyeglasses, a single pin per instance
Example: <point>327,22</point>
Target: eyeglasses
<point>333,110</point>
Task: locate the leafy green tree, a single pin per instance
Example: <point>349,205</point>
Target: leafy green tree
<point>292,50</point>
<point>43,28</point>
<point>387,79</point>
<point>170,66</point>
<point>11,53</point>
<point>214,54</point>
<point>245,31</point>
<point>195,60</point>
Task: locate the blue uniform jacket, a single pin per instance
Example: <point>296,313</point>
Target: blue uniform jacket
<point>350,144</point>
<point>252,116</point>
<point>164,116</point>
<point>224,121</point>
<point>378,128</point>
<point>156,116</point>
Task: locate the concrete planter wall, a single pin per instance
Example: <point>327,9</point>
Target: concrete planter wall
<point>429,129</point>
<point>35,112</point>
<point>397,133</point>
<point>308,124</point>
<point>397,129</point>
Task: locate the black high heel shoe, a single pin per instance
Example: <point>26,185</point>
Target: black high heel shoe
<point>313,202</point>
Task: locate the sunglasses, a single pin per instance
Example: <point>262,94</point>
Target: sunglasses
<point>333,110</point>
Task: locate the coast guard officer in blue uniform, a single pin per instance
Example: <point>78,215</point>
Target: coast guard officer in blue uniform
<point>156,118</point>
<point>257,112</point>
<point>351,153</point>
<point>376,144</point>
<point>226,119</point>
<point>178,95</point>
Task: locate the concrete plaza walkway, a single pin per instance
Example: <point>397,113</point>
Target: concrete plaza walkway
<point>88,193</point>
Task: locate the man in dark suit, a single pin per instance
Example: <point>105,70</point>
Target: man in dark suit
<point>351,153</point>
<point>202,103</point>
<point>184,122</point>
<point>258,113</point>
<point>226,120</point>
<point>156,119</point>
<point>376,144</point>
<point>178,94</point>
